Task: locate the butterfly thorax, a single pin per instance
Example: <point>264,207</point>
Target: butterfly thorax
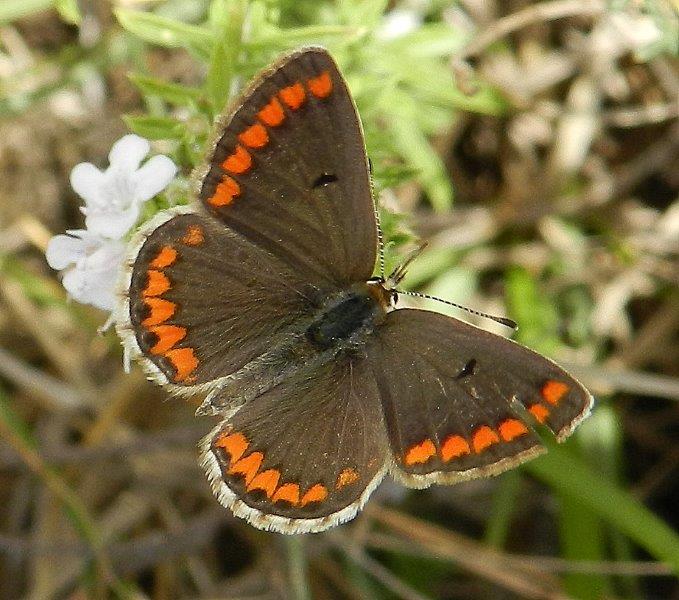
<point>347,318</point>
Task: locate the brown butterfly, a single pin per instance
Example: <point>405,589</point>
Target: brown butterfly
<point>261,295</point>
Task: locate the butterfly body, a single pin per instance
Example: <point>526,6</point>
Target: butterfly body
<point>260,295</point>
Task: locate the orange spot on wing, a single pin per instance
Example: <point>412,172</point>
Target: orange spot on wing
<point>157,283</point>
<point>320,86</point>
<point>272,114</point>
<point>225,192</point>
<point>254,136</point>
<point>420,453</point>
<point>234,443</point>
<point>288,492</point>
<point>161,311</point>
<point>346,477</point>
<point>238,162</point>
<point>553,391</point>
<point>194,236</point>
<point>511,428</point>
<point>293,95</point>
<point>316,493</point>
<point>483,437</point>
<point>168,336</point>
<point>166,257</point>
<point>184,361</point>
<point>247,467</point>
<point>265,481</point>
<point>453,447</point>
<point>539,412</point>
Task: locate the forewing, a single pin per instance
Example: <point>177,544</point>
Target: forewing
<point>201,301</point>
<point>448,389</point>
<point>290,173</point>
<point>304,455</point>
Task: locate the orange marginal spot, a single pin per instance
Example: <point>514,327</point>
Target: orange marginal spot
<point>420,453</point>
<point>247,467</point>
<point>512,428</point>
<point>320,86</point>
<point>265,481</point>
<point>168,336</point>
<point>157,283</point>
<point>166,257</point>
<point>539,412</point>
<point>183,360</point>
<point>483,437</point>
<point>161,311</point>
<point>346,477</point>
<point>553,391</point>
<point>234,443</point>
<point>316,493</point>
<point>272,114</point>
<point>238,162</point>
<point>454,446</point>
<point>254,136</point>
<point>288,492</point>
<point>225,192</point>
<point>293,95</point>
<point>194,236</point>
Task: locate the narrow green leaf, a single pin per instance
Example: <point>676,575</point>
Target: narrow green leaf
<point>155,128</point>
<point>536,315</point>
<point>415,148</point>
<point>227,17</point>
<point>502,510</point>
<point>173,93</point>
<point>166,32</point>
<point>573,478</point>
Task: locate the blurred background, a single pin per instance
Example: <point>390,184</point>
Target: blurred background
<point>535,145</point>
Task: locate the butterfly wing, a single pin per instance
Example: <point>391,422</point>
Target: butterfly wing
<point>289,171</point>
<point>449,392</point>
<point>201,301</point>
<point>306,454</point>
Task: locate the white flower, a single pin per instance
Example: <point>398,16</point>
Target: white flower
<point>90,264</point>
<point>113,197</point>
<point>398,22</point>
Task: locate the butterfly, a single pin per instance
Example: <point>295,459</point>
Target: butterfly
<point>261,296</point>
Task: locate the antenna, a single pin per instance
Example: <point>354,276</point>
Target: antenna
<point>380,238</point>
<point>501,320</point>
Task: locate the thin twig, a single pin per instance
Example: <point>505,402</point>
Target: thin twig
<point>535,13</point>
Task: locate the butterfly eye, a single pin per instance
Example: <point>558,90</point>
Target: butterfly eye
<point>323,180</point>
<point>394,297</point>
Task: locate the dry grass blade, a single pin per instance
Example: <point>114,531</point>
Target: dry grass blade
<point>471,555</point>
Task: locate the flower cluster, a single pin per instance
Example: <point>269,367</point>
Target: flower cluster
<point>90,258</point>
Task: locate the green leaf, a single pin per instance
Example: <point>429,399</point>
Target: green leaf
<point>166,32</point>
<point>536,315</point>
<point>415,148</point>
<point>576,480</point>
<point>227,17</point>
<point>172,93</point>
<point>155,128</point>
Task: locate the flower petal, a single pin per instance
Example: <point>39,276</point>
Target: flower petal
<point>153,177</point>
<point>112,224</point>
<point>63,250</point>
<point>128,152</point>
<point>93,279</point>
<point>86,180</point>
